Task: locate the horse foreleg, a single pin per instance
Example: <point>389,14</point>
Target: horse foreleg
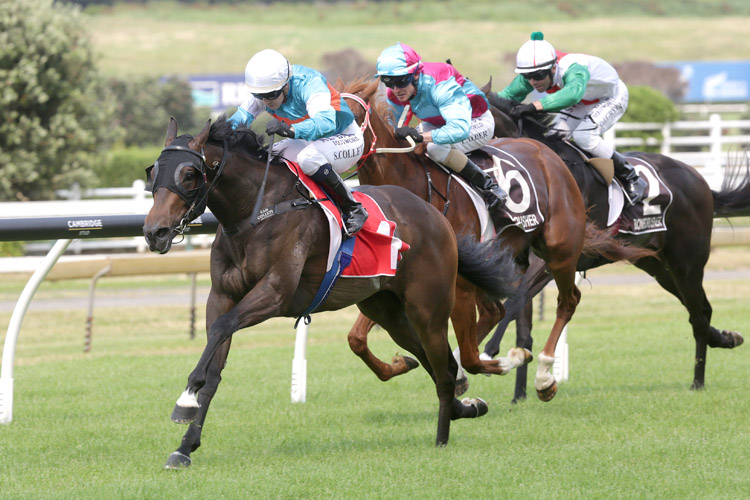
<point>180,458</point>
<point>358,344</point>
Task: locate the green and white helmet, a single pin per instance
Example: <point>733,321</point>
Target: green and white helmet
<point>535,54</point>
<point>267,71</point>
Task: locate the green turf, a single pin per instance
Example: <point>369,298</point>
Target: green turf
<point>625,425</point>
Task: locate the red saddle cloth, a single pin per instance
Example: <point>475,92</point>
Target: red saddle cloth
<point>377,250</point>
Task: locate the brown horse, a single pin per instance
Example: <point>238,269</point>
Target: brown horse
<point>681,250</point>
<point>430,182</point>
<point>272,265</point>
<point>559,239</point>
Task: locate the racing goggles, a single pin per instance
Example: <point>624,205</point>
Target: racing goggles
<point>537,75</point>
<point>269,96</point>
<point>397,81</point>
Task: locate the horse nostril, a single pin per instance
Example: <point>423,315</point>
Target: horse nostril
<point>162,233</point>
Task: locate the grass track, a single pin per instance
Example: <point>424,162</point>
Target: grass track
<point>625,426</point>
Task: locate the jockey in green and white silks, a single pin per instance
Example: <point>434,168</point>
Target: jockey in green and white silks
<point>454,114</point>
<point>321,134</point>
<point>587,88</point>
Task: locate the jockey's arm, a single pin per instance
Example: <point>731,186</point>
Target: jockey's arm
<point>455,109</point>
<point>517,89</point>
<point>246,113</point>
<point>322,121</point>
<point>575,80</point>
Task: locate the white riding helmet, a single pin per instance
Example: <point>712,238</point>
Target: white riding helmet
<point>535,54</point>
<point>267,71</point>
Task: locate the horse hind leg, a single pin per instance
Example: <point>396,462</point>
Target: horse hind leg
<point>358,343</point>
<point>567,300</point>
<point>691,294</point>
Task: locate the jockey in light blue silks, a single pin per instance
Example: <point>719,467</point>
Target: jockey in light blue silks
<point>590,91</point>
<point>454,114</point>
<point>321,133</point>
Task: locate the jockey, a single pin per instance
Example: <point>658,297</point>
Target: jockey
<point>587,88</point>
<point>321,134</point>
<point>454,114</point>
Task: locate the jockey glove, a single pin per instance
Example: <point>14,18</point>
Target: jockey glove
<point>522,109</point>
<point>404,132</point>
<point>278,127</point>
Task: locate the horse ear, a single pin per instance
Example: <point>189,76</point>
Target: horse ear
<point>339,85</point>
<point>487,88</point>
<point>171,132</point>
<point>199,140</point>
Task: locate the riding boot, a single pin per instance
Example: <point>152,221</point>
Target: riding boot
<point>493,194</point>
<point>353,213</point>
<point>635,187</point>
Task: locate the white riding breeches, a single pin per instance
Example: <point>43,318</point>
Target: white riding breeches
<point>481,132</point>
<point>341,151</point>
<point>588,122</point>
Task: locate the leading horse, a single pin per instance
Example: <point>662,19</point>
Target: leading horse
<point>272,265</point>
<point>560,238</point>
<point>681,249</point>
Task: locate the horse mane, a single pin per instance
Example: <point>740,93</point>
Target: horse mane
<point>242,140</point>
<point>368,89</point>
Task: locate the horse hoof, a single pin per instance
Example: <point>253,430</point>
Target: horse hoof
<point>548,393</point>
<point>697,386</point>
<point>411,363</point>
<point>528,356</point>
<point>478,403</point>
<point>736,337</point>
<point>178,461</point>
<point>184,414</point>
<point>462,385</point>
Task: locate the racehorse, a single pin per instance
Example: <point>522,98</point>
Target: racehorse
<point>270,263</point>
<point>560,237</point>
<point>681,249</point>
<point>423,177</point>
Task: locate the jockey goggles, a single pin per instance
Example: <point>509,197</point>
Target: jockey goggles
<point>537,75</point>
<point>400,81</point>
<point>269,96</point>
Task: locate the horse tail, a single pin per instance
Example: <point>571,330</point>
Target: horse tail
<point>600,243</point>
<point>734,197</point>
<point>489,265</point>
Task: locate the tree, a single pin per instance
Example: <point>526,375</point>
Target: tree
<point>144,105</point>
<point>54,104</point>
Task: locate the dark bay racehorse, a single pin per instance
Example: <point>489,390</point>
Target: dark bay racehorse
<point>681,251</point>
<point>559,240</point>
<point>264,267</point>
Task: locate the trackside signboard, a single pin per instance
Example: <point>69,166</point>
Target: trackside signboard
<point>714,81</point>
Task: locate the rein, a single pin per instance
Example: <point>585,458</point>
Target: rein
<point>412,145</point>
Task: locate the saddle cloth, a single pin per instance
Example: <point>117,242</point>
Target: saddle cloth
<point>648,216</point>
<point>377,250</point>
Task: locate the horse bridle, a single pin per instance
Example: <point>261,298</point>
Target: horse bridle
<point>199,199</point>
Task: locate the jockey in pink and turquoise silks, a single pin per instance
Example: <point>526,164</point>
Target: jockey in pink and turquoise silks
<point>321,133</point>
<point>587,88</point>
<point>454,114</point>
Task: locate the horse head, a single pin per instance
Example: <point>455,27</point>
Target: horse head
<point>178,183</point>
<point>377,168</point>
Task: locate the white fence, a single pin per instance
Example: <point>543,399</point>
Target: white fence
<point>712,144</point>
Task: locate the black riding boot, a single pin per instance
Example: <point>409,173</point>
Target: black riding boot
<point>634,186</point>
<point>353,212</point>
<point>493,194</point>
